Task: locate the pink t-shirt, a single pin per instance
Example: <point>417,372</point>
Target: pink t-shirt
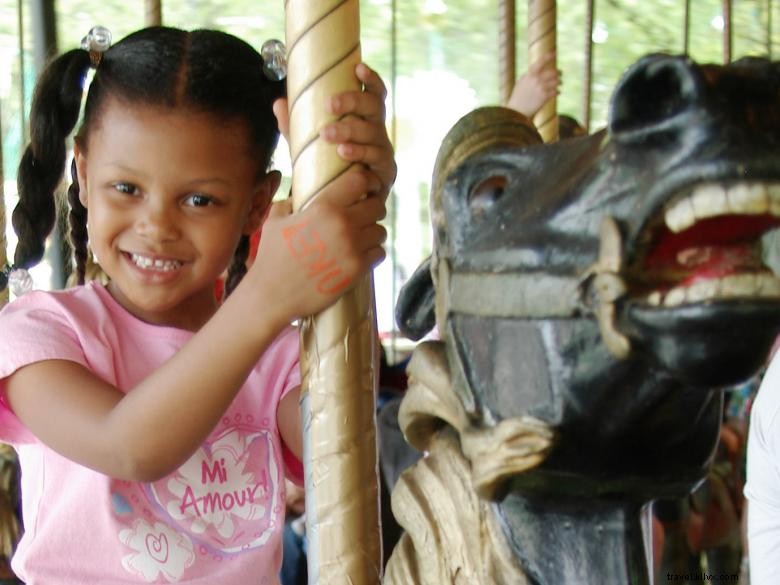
<point>217,520</point>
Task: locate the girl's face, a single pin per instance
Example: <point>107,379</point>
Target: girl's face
<point>169,192</point>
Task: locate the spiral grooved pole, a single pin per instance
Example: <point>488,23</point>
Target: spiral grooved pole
<point>541,40</point>
<point>338,346</point>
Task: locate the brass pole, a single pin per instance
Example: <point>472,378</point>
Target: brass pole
<point>339,347</point>
<point>587,84</point>
<point>687,28</point>
<point>153,13</point>
<point>541,40</point>
<point>506,48</point>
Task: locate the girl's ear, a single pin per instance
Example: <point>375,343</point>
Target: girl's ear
<point>261,201</point>
<point>81,170</point>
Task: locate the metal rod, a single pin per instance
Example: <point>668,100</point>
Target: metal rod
<point>687,28</point>
<point>44,27</point>
<point>3,242</point>
<point>587,83</point>
<point>393,357</point>
<point>506,48</point>
<point>22,85</point>
<point>153,13</point>
<point>769,28</point>
<point>727,35</point>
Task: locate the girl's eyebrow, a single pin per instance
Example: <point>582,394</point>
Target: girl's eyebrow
<point>198,181</point>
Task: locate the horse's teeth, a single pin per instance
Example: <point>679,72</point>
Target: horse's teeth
<point>680,216</point>
<point>749,199</point>
<point>674,297</point>
<point>773,191</point>
<point>738,285</point>
<point>712,200</point>
<point>767,286</point>
<point>709,200</point>
<point>703,290</point>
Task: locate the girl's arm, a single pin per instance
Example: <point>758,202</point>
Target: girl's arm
<point>131,436</point>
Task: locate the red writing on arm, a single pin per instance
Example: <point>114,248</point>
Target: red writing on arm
<point>305,244</point>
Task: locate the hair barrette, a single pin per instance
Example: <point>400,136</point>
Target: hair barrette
<point>97,42</point>
<point>18,280</point>
<point>274,55</point>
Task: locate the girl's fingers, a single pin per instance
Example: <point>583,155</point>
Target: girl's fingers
<point>356,130</point>
<point>373,237</point>
<point>282,117</point>
<point>371,81</point>
<point>365,104</point>
<point>378,159</point>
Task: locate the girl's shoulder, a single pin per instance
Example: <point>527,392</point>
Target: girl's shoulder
<point>90,295</point>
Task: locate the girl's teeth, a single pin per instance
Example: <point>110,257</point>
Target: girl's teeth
<point>158,264</point>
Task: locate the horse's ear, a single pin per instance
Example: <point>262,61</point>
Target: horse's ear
<point>415,311</point>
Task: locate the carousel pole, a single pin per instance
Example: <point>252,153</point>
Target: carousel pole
<point>153,13</point>
<point>687,28</point>
<point>506,48</point>
<point>587,83</point>
<point>339,348</point>
<point>727,35</point>
<point>769,28</point>
<point>541,40</point>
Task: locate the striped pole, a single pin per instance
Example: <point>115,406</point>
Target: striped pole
<point>541,40</point>
<point>338,346</point>
<point>506,48</point>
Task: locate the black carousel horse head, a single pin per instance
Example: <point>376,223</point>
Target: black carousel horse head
<point>608,284</point>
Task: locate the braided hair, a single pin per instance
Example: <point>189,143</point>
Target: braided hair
<point>205,70</point>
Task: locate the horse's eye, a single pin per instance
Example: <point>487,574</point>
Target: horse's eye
<point>487,192</point>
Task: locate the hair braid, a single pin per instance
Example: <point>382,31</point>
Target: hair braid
<point>238,269</point>
<point>54,114</point>
<point>78,226</point>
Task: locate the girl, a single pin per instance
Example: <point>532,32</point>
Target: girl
<point>154,426</point>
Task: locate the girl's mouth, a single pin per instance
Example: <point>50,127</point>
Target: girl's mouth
<point>154,264</point>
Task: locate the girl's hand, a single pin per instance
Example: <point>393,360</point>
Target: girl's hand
<point>359,132</point>
<point>307,260</point>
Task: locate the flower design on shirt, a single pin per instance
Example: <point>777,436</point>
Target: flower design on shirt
<point>230,482</point>
<point>158,551</point>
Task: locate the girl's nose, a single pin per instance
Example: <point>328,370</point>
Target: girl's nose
<point>157,222</point>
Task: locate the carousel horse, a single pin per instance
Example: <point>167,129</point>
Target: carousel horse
<point>591,296</point>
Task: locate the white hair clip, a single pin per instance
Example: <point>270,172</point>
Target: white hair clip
<point>274,55</point>
<point>97,42</point>
<point>18,280</point>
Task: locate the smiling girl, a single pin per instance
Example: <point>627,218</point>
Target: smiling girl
<point>154,425</point>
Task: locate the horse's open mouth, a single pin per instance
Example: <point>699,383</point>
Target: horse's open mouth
<point>708,245</point>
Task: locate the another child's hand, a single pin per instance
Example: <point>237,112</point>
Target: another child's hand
<point>536,87</point>
<point>309,259</point>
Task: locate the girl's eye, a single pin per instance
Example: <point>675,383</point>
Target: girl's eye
<point>126,188</point>
<point>199,200</point>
